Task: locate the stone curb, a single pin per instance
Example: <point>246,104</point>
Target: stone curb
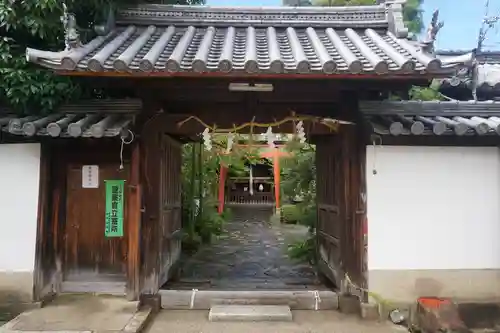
<point>138,321</point>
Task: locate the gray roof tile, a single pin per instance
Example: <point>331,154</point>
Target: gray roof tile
<point>94,119</point>
<point>176,39</point>
<point>487,74</point>
<point>433,118</point>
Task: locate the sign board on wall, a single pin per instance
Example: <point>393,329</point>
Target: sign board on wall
<point>90,176</point>
<point>114,208</point>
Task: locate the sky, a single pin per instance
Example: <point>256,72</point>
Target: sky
<point>462,20</point>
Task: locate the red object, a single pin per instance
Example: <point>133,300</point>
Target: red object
<point>276,169</point>
<point>222,186</point>
<point>433,302</point>
<point>275,154</point>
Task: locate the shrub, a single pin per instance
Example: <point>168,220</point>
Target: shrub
<point>303,251</point>
<point>291,214</point>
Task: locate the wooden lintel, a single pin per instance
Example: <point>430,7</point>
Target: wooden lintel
<point>238,112</point>
<point>440,140</point>
<point>431,109</point>
<point>205,76</point>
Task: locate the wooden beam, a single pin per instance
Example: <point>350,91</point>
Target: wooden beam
<point>441,140</point>
<point>134,225</point>
<point>244,111</point>
<point>416,78</point>
<point>216,88</point>
<point>430,109</point>
<point>42,233</point>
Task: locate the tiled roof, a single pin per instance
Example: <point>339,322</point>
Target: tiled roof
<point>433,118</point>
<point>487,69</point>
<point>483,57</point>
<point>95,119</point>
<point>180,39</point>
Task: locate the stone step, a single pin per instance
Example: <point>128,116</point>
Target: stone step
<point>250,313</point>
<point>206,299</point>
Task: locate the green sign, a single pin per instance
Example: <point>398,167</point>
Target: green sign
<point>114,208</point>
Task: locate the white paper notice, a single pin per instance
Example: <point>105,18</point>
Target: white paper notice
<point>90,176</point>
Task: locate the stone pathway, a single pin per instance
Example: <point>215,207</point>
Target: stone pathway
<point>251,254</point>
<point>191,321</point>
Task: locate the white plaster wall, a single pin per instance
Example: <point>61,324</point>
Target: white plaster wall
<point>19,183</point>
<point>433,208</point>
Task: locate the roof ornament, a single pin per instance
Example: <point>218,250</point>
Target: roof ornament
<point>432,31</point>
<point>395,17</point>
<point>71,36</point>
<point>104,29</point>
<point>474,75</point>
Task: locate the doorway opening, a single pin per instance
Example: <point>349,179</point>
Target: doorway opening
<point>250,217</point>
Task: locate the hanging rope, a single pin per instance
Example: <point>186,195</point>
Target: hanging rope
<point>317,299</point>
<point>123,143</point>
<point>374,164</point>
<point>250,180</point>
<point>332,124</point>
<point>193,295</point>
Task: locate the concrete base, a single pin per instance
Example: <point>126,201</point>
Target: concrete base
<point>370,311</point>
<point>16,294</point>
<point>206,299</point>
<point>461,285</point>
<point>349,304</point>
<point>82,313</point>
<point>250,313</point>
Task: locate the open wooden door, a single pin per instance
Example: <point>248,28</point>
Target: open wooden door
<point>330,202</point>
<point>171,207</point>
<point>341,202</point>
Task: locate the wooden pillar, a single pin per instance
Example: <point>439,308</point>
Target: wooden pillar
<point>134,225</point>
<point>42,232</point>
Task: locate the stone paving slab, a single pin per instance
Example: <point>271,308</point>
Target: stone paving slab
<point>81,314</point>
<point>252,251</point>
<point>253,313</point>
<point>190,321</point>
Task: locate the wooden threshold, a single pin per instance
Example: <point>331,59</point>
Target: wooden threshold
<point>96,287</point>
<point>85,282</point>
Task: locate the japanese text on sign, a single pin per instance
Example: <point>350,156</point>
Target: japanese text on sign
<point>114,208</point>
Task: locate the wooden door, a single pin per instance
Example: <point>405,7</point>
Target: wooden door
<point>88,252</point>
<point>341,207</point>
<point>171,206</point>
<point>329,201</point>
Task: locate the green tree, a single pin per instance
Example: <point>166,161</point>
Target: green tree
<point>412,10</point>
<point>36,23</point>
<point>413,15</point>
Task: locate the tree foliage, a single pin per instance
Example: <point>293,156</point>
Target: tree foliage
<point>200,185</point>
<point>36,23</point>
<point>412,11</point>
<point>299,186</point>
